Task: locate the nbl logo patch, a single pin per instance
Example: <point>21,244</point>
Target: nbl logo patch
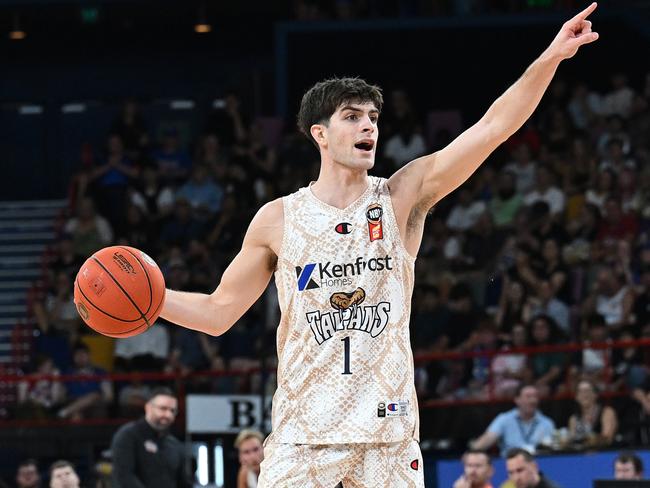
<point>305,282</point>
<point>374,213</point>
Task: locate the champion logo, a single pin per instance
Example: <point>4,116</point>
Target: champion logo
<point>343,228</point>
<point>305,282</point>
<point>415,464</point>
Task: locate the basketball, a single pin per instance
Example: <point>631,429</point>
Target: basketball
<point>119,291</point>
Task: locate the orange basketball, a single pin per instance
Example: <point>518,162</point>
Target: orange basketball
<point>119,291</point>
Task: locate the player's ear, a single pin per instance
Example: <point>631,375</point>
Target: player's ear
<point>318,132</point>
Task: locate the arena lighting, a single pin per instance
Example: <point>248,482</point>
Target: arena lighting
<point>202,465</point>
<point>181,104</point>
<point>17,33</point>
<point>202,26</point>
<point>218,466</point>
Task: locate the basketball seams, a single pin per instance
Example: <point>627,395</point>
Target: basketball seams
<point>88,300</point>
<point>121,288</point>
<point>146,273</point>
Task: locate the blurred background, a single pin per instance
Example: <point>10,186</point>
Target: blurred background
<point>534,271</point>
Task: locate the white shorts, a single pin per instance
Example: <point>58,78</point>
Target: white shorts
<point>394,465</point>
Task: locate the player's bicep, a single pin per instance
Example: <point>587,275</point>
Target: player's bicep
<point>245,279</point>
<point>248,275</point>
<point>445,170</point>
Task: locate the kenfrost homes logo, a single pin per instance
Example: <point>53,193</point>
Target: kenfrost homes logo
<point>317,275</point>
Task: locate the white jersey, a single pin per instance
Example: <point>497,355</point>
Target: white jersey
<point>345,281</point>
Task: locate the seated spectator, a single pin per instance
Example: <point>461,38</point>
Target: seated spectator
<point>466,212</point>
<point>181,226</point>
<point>628,466</point>
<point>147,351</point>
<point>629,364</point>
<point>484,339</point>
<point>131,128</point>
<point>610,297</point>
<point>111,182</point>
<point>506,202</point>
<point>616,225</point>
<point>524,426</point>
<point>251,454</point>
<point>202,193</point>
<point>86,397</point>
<point>137,230</point>
<point>546,367</point>
<point>523,167</point>
<point>153,198</point>
<point>63,475</point>
<point>594,364</point>
<point>509,371</point>
<point>133,397</point>
<point>27,474</point>
<point>546,303</point>
<point>618,101</point>
<point>615,159</point>
<point>64,259</point>
<point>57,312</point>
<point>89,231</point>
<point>204,273</point>
<point>593,425</point>
<point>585,106</point>
<point>523,471</point>
<point>172,161</point>
<point>511,304</point>
<point>405,145</point>
<point>228,120</point>
<point>40,398</point>
<point>544,190</point>
<point>605,187</point>
<point>477,470</point>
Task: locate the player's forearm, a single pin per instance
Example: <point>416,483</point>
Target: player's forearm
<point>195,311</point>
<point>509,112</point>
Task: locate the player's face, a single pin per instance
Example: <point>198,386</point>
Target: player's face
<point>522,473</point>
<point>251,453</point>
<point>64,478</point>
<point>478,470</point>
<point>160,411</point>
<point>350,138</point>
<point>625,471</point>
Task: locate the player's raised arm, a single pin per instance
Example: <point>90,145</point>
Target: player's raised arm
<point>242,282</point>
<point>432,177</point>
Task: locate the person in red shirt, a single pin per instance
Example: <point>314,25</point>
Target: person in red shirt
<point>478,470</point>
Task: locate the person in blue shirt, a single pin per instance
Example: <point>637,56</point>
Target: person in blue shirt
<point>523,427</point>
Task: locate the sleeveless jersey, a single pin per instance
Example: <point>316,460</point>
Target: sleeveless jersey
<point>345,280</point>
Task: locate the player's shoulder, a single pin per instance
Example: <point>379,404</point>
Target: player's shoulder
<point>267,225</point>
<point>270,213</point>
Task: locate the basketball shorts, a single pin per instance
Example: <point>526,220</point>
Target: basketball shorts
<point>391,465</point>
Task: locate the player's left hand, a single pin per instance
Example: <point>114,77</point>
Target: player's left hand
<point>573,34</point>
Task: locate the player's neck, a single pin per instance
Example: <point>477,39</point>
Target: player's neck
<point>339,187</point>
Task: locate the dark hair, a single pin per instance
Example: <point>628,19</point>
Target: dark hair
<point>161,391</point>
<point>80,346</point>
<point>519,451</point>
<point>28,462</point>
<point>521,387</point>
<point>630,457</point>
<point>62,463</point>
<point>478,451</point>
<point>325,97</point>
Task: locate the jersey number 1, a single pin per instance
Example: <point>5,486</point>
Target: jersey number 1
<point>346,355</point>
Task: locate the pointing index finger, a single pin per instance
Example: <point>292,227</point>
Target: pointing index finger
<point>585,13</point>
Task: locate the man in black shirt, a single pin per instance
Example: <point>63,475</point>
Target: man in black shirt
<point>523,471</point>
<point>145,454</point>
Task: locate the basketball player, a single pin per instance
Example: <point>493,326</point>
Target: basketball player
<point>343,252</point>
